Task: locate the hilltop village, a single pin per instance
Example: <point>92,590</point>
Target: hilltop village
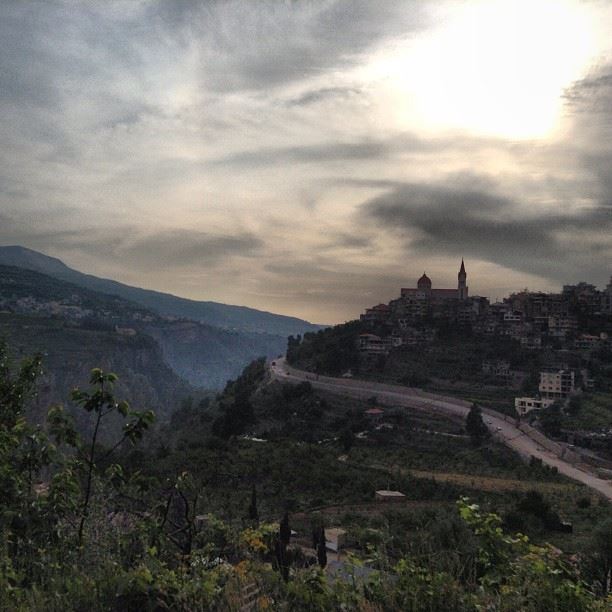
<point>566,335</point>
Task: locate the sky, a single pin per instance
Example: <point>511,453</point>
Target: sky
<point>310,157</point>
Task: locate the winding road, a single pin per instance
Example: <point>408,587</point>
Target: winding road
<point>505,431</point>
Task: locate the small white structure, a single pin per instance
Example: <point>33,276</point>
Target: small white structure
<point>335,538</point>
<point>384,495</point>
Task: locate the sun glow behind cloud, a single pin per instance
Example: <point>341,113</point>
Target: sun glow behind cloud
<point>497,68</point>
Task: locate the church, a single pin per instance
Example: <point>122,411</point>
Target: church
<point>423,302</point>
<point>424,290</point>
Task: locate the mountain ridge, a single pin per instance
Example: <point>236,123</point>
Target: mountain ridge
<point>217,314</point>
<point>202,354</point>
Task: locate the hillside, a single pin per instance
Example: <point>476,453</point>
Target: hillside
<point>212,313</point>
<point>28,292</point>
<point>203,355</point>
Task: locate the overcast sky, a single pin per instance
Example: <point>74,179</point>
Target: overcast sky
<point>312,157</point>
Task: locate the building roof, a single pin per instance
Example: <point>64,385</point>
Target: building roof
<point>424,281</point>
<point>462,269</point>
<point>387,493</point>
<point>380,307</point>
<point>444,292</point>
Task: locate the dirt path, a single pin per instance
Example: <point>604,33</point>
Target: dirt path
<point>488,483</point>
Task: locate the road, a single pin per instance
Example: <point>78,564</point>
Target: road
<point>408,397</point>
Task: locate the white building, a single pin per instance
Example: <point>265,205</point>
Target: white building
<point>523,405</point>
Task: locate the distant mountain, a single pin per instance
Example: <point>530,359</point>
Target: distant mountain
<point>216,314</point>
<point>204,355</point>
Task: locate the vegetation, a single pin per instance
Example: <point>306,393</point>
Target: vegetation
<point>330,351</point>
<point>475,427</point>
<point>452,364</point>
<point>589,411</point>
<point>86,525</point>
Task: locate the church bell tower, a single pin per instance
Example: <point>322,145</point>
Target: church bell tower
<point>462,288</point>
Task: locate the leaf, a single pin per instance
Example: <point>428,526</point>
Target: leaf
<point>123,408</point>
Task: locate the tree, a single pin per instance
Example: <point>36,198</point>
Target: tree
<point>475,427</point>
<point>285,530</point>
<point>601,556</point>
<point>322,548</point>
<point>550,420</point>
<point>253,514</point>
<point>347,438</point>
<point>101,402</point>
<point>282,541</point>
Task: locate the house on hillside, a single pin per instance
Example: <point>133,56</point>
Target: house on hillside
<point>384,495</point>
<point>524,405</point>
<point>374,345</point>
<point>374,415</point>
<point>557,384</point>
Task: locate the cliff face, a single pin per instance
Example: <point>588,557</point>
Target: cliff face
<point>207,356</point>
<point>69,354</point>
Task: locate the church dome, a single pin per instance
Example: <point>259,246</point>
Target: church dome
<point>424,282</point>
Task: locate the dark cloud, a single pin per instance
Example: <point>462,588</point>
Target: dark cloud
<point>369,149</point>
<point>352,241</point>
<point>346,240</point>
<point>184,248</point>
<point>354,151</point>
<point>127,245</point>
<point>591,94</point>
<point>454,220</point>
<point>366,149</point>
<point>590,102</point>
<point>325,93</point>
<point>90,241</point>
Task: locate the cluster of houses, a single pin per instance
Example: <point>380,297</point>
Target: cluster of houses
<point>70,308</point>
<point>555,385</point>
<point>30,305</point>
<point>536,320</point>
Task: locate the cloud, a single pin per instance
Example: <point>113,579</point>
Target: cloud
<point>589,100</point>
<point>258,45</point>
<point>311,154</point>
<point>185,247</point>
<point>452,219</point>
<point>592,93</point>
<point>323,93</point>
<point>130,246</point>
<point>259,128</point>
<point>364,149</point>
